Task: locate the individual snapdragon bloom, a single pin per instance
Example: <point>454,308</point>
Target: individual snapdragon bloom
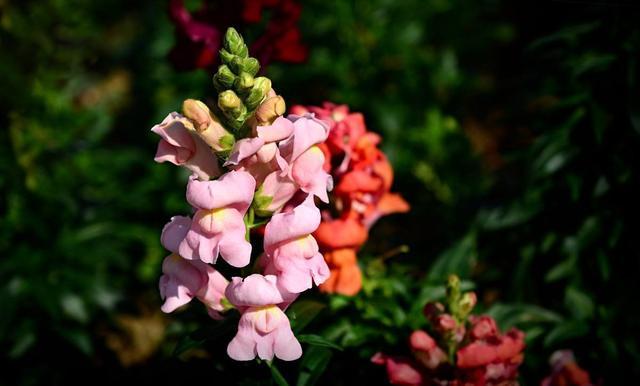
<point>264,329</point>
<point>218,227</point>
<point>400,371</point>
<point>340,239</point>
<point>182,280</point>
<point>426,350</point>
<point>291,252</point>
<point>180,145</point>
<point>259,155</point>
<point>305,158</point>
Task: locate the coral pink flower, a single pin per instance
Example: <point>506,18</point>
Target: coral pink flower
<point>291,252</point>
<point>346,277</point>
<point>180,145</point>
<point>218,226</point>
<point>426,350</point>
<point>182,280</point>
<point>506,348</point>
<point>400,371</point>
<point>264,329</point>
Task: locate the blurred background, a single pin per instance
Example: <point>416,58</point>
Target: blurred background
<point>512,128</point>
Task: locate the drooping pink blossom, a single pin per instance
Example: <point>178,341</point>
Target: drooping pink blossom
<point>218,227</point>
<point>180,145</point>
<point>291,252</point>
<point>304,158</point>
<point>182,280</point>
<point>264,329</point>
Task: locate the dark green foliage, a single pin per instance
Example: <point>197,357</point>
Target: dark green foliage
<point>513,128</point>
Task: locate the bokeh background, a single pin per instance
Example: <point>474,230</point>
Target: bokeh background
<point>513,128</point>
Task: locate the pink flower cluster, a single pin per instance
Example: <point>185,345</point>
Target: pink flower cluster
<point>460,350</point>
<point>274,173</point>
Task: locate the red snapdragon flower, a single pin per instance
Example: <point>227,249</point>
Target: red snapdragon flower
<point>198,34</point>
<point>461,350</point>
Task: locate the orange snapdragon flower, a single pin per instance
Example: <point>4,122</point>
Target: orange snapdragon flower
<point>362,178</point>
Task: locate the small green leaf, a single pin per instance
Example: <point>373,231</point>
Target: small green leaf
<point>301,313</point>
<point>579,303</point>
<point>314,362</point>
<point>317,340</point>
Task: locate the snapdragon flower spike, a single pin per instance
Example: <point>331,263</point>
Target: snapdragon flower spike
<point>218,227</point>
<point>264,329</point>
<point>291,252</point>
<point>182,280</point>
<point>180,145</point>
<point>305,159</point>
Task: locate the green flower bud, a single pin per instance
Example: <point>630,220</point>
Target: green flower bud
<point>234,43</point>
<point>224,77</point>
<point>466,304</point>
<point>453,294</point>
<point>244,82</point>
<point>257,94</point>
<point>226,56</point>
<point>228,101</point>
<point>251,66</point>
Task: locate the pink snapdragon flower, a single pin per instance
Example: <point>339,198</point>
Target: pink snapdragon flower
<point>426,350</point>
<point>291,252</point>
<point>259,155</point>
<point>181,145</point>
<point>182,280</point>
<point>305,159</point>
<point>401,371</point>
<point>218,226</point>
<point>264,329</point>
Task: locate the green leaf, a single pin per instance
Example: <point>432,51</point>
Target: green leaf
<point>314,362</point>
<point>186,343</point>
<point>301,313</point>
<point>508,315</point>
<point>565,331</point>
<point>458,259</point>
<point>561,270</point>
<point>579,304</point>
<point>317,340</point>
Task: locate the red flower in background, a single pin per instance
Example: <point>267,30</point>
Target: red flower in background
<point>198,34</point>
<point>565,371</point>
<point>461,349</point>
<point>362,177</point>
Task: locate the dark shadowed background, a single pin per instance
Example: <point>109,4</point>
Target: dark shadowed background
<point>512,127</point>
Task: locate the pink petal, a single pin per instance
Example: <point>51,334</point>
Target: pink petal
<point>233,189</point>
<point>174,232</point>
<point>243,149</point>
<point>286,345</point>
<point>307,132</point>
<point>303,220</point>
<point>279,130</point>
<point>254,290</point>
<point>243,347</point>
